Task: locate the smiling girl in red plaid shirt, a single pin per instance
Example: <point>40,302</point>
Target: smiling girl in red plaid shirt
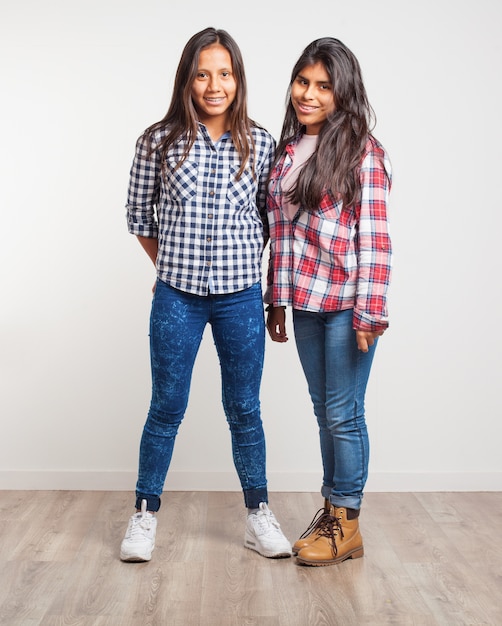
<point>330,259</point>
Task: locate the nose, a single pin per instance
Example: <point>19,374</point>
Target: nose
<point>308,93</point>
<point>214,84</point>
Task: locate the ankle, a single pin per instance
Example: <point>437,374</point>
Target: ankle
<point>352,513</point>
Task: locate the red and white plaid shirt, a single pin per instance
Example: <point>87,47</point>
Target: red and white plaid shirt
<point>336,257</point>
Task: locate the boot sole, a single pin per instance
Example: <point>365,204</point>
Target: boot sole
<point>355,554</point>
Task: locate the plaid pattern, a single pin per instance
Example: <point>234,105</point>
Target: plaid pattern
<point>210,226</point>
<point>337,257</point>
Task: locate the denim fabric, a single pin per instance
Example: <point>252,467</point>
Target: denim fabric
<point>337,374</point>
<point>177,324</point>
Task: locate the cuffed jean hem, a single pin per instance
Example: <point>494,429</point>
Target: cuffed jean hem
<point>348,502</point>
<point>253,497</point>
<point>152,502</point>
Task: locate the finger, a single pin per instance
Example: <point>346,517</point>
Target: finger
<point>275,333</point>
<point>362,343</point>
<point>281,331</point>
<point>279,335</point>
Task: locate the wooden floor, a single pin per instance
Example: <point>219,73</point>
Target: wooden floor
<point>430,559</point>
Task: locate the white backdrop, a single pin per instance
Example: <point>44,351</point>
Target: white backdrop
<point>80,80</point>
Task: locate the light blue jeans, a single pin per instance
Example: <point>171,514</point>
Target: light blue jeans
<point>177,324</point>
<point>337,374</point>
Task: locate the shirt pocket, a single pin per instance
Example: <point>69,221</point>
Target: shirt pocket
<point>241,191</point>
<point>333,230</point>
<point>181,182</point>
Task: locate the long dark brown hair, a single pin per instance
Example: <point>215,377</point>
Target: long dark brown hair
<point>181,119</point>
<point>343,136</point>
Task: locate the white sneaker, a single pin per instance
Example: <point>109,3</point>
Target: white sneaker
<point>264,534</point>
<point>139,540</point>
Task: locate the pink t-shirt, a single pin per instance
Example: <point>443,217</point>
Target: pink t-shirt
<point>304,148</point>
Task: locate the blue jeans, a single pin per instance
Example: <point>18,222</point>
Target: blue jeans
<point>337,374</point>
<point>177,324</point>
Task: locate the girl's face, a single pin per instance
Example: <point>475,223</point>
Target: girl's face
<point>214,87</point>
<point>312,97</point>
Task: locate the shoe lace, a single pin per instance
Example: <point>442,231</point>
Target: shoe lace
<point>330,527</point>
<point>140,524</point>
<point>266,521</point>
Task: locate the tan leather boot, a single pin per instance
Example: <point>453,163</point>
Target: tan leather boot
<point>338,539</point>
<point>310,534</point>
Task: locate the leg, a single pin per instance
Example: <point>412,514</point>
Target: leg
<point>342,428</point>
<point>239,334</point>
<point>338,399</point>
<point>310,337</point>
<point>176,327</point>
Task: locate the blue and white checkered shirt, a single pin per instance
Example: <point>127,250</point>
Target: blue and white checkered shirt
<point>210,226</point>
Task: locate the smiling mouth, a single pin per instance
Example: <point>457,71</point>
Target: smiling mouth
<point>305,108</point>
<point>214,100</point>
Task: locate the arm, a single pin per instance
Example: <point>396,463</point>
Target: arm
<point>150,245</point>
<point>374,247</point>
<point>143,191</point>
<point>261,194</point>
<point>142,198</point>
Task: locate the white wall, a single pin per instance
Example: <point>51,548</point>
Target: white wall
<point>81,80</point>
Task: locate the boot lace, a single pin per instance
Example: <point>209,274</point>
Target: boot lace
<point>315,523</point>
<point>329,526</point>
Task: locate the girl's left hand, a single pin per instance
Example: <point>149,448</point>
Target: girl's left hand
<point>366,338</point>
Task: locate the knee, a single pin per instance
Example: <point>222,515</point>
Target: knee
<point>163,424</point>
<point>344,422</point>
<point>244,408</point>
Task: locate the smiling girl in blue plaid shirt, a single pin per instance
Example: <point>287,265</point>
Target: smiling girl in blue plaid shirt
<point>196,203</point>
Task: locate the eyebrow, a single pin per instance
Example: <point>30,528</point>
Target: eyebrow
<point>319,82</point>
<point>221,69</point>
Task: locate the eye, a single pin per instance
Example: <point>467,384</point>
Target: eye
<point>201,75</point>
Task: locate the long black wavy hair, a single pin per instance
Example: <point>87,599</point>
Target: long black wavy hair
<point>344,134</point>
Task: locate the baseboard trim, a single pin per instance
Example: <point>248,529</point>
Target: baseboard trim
<point>227,481</point>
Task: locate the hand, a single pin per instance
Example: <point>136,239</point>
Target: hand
<point>366,338</point>
<point>276,324</point>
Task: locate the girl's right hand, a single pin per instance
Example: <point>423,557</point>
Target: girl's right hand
<point>276,324</point>
<point>365,338</point>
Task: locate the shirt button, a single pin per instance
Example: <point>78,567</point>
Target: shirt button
<point>208,263</point>
<point>208,239</point>
<point>211,193</point>
<point>210,216</point>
